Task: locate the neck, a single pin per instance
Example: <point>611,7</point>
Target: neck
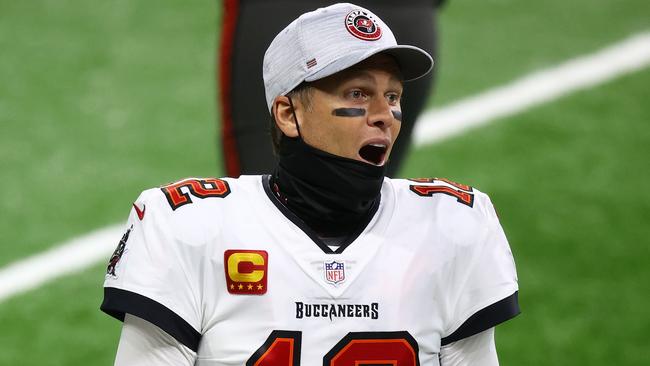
<point>331,194</point>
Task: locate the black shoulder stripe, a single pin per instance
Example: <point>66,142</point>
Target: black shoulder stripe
<point>117,302</point>
<point>486,318</point>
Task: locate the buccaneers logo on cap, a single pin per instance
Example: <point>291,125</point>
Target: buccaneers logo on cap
<point>362,25</point>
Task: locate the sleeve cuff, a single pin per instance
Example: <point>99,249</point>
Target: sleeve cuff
<point>486,318</point>
<point>117,302</point>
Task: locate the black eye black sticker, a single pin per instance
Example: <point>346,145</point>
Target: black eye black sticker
<point>349,112</point>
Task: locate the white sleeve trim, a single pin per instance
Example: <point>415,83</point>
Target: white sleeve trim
<point>144,344</point>
<point>477,350</point>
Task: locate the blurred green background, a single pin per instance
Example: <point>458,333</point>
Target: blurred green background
<point>99,100</point>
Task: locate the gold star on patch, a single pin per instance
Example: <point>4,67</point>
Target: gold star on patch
<point>260,287</point>
<point>232,287</point>
<point>250,287</point>
<point>241,287</point>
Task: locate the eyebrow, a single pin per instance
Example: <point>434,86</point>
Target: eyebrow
<point>365,75</point>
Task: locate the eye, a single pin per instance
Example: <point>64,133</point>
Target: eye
<point>357,95</point>
<point>393,98</point>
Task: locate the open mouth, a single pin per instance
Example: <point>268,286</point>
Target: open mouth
<point>373,153</point>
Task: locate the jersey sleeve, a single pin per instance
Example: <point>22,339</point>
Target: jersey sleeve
<point>142,343</point>
<point>478,349</point>
<point>154,275</point>
<point>483,283</point>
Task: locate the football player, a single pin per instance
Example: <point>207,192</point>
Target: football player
<point>325,261</point>
<point>249,26</point>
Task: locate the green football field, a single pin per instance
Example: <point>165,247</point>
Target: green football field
<point>99,100</point>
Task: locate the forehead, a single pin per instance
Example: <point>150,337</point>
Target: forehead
<point>378,63</point>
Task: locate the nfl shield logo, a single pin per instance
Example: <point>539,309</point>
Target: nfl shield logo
<point>334,272</point>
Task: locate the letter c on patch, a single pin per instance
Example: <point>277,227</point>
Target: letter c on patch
<point>246,267</point>
<point>246,271</point>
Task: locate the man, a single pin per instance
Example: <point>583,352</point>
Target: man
<point>325,261</point>
<point>249,26</point>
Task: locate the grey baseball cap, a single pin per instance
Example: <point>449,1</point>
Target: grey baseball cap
<point>331,39</point>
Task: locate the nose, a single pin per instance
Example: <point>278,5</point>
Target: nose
<point>380,114</point>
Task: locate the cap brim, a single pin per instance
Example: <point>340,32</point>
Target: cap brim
<point>413,62</point>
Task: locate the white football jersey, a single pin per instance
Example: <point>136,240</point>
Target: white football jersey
<point>227,270</point>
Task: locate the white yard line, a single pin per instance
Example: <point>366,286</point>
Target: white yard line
<point>583,72</point>
<point>630,55</point>
<point>63,259</point>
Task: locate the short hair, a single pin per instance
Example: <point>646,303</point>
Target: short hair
<point>302,92</point>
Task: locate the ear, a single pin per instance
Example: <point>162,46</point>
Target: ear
<point>283,115</point>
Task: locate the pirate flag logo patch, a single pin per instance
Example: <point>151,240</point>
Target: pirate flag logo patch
<point>362,25</point>
<point>117,254</point>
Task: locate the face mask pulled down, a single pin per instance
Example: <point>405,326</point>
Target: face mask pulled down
<point>333,195</point>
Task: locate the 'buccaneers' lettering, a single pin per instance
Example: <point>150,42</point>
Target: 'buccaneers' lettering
<point>201,188</point>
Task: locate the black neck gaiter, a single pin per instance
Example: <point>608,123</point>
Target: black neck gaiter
<point>331,194</point>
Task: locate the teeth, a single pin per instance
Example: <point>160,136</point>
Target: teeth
<point>378,145</point>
